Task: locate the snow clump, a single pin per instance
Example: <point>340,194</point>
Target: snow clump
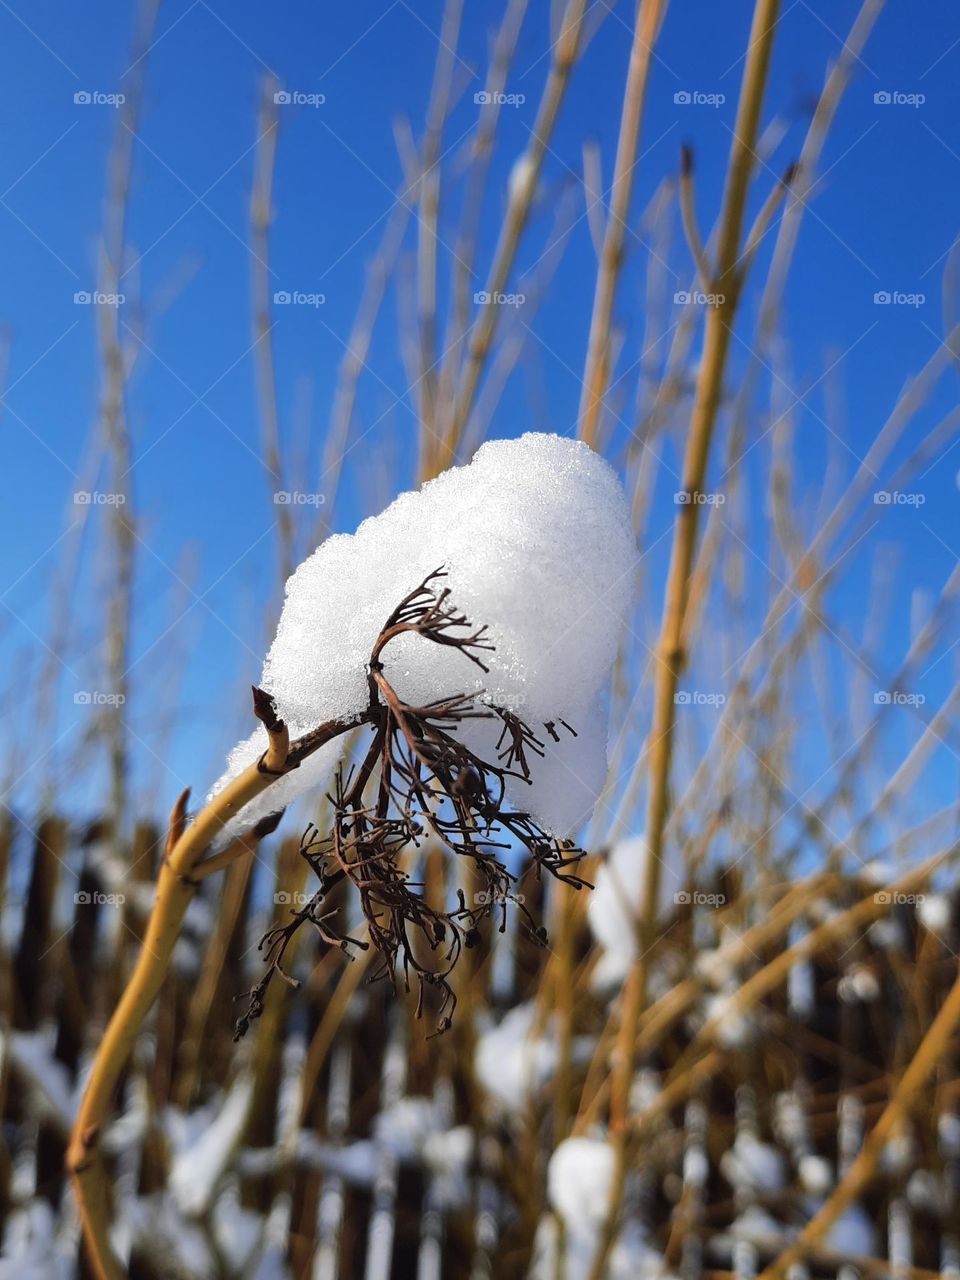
<point>616,905</point>
<point>535,537</point>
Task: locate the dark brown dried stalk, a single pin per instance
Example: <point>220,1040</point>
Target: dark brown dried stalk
<point>415,779</point>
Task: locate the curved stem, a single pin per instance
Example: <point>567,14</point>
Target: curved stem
<point>925,1060</point>
<point>176,886</point>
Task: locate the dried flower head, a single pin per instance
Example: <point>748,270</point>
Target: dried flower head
<point>416,779</point>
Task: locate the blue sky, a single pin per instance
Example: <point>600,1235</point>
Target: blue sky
<point>884,219</point>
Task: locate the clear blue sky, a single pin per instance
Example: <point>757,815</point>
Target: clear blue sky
<point>885,218</point>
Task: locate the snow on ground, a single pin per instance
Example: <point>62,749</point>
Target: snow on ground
<point>514,1058</point>
<point>29,1248</point>
<point>579,1179</point>
<point>31,1054</point>
<point>204,1142</point>
<point>617,902</point>
<point>536,539</point>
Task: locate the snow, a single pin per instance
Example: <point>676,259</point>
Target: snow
<point>753,1165</point>
<point>732,1029</point>
<point>448,1155</point>
<point>514,1058</point>
<point>236,1230</point>
<point>858,985</point>
<point>154,1226</point>
<point>402,1127</point>
<point>935,912</point>
<point>853,1233</point>
<point>536,539</point>
<point>715,966</point>
<point>48,1080</point>
<point>758,1226</point>
<point>411,1130</point>
<point>815,1173</point>
<point>579,1178</point>
<point>30,1250</point>
<point>948,1131</point>
<point>204,1142</point>
<point>630,1257</point>
<point>617,902</point>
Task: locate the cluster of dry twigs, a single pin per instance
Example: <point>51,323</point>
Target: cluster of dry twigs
<point>426,781</point>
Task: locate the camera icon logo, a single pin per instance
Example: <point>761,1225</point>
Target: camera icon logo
<point>682,98</point>
<point>482,99</point>
<point>482,298</point>
<point>82,298</point>
<point>82,899</point>
<point>682,899</point>
<point>882,98</point>
<point>281,297</point>
<point>82,98</point>
<point>282,498</point>
<point>881,698</point>
<point>681,298</point>
<point>882,498</point>
<point>881,298</point>
<point>282,98</point>
<point>82,698</point>
<point>282,899</point>
<point>681,698</point>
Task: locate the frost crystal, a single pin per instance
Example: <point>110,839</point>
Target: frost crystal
<point>536,540</point>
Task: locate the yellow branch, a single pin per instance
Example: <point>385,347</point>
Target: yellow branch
<point>176,886</point>
<point>860,1172</point>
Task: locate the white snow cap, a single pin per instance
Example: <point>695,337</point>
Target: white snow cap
<point>579,1178</point>
<point>515,1057</point>
<point>753,1165</point>
<point>536,540</point>
<point>816,1175</point>
<point>934,912</point>
<point>617,901</point>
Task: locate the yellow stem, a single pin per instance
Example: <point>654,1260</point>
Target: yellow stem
<point>860,1172</point>
<point>176,886</point>
<point>727,280</point>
